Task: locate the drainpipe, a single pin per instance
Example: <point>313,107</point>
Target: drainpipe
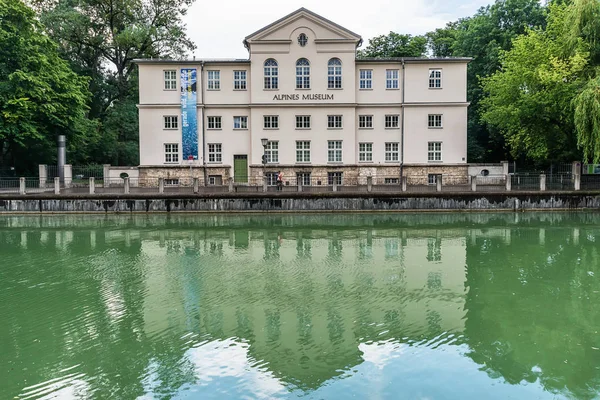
<point>203,123</point>
<point>402,127</point>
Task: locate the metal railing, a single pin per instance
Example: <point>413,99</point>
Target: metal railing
<point>310,183</point>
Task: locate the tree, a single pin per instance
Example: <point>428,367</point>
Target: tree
<point>40,96</point>
<point>441,41</point>
<point>529,99</point>
<point>395,45</point>
<point>101,38</point>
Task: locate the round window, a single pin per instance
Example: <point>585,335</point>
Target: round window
<point>485,172</point>
<point>302,39</point>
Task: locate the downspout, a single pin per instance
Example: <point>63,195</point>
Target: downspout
<point>402,127</point>
<point>203,123</point>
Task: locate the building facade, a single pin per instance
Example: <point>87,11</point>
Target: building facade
<point>305,105</point>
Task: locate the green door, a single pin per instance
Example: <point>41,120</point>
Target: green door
<point>240,168</point>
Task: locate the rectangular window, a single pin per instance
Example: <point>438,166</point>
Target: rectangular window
<point>434,151</point>
<point>432,179</point>
<point>302,121</point>
<point>240,122</point>
<point>334,121</point>
<point>271,122</point>
<point>171,152</point>
<point>391,152</point>
<point>215,180</point>
<point>271,178</point>
<point>272,152</point>
<point>391,79</point>
<point>171,182</point>
<point>334,178</point>
<point>435,79</point>
<point>239,80</point>
<point>334,151</point>
<point>391,181</point>
<point>365,152</point>
<point>170,79</point>
<point>366,79</point>
<point>303,178</point>
<point>303,151</point>
<point>214,153</point>
<point>392,121</point>
<point>214,122</point>
<point>434,120</point>
<point>170,121</point>
<point>365,121</point>
<point>214,80</point>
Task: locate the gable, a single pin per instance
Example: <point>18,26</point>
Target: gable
<point>321,28</point>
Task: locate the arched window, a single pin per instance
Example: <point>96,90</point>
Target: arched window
<point>302,74</point>
<point>271,74</point>
<point>334,74</point>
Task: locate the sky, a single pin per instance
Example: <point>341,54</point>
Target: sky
<point>219,27</point>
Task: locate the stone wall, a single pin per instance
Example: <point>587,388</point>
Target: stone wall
<point>148,176</point>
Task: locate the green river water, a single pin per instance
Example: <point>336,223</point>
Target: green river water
<point>319,306</point>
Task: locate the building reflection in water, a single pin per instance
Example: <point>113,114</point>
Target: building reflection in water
<point>294,302</point>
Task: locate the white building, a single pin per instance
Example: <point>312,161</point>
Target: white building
<point>327,116</point>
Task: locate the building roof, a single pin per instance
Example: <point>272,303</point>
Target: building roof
<point>414,59</point>
<point>358,60</point>
<point>310,13</point>
<point>193,61</point>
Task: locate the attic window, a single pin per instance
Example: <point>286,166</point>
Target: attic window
<point>302,39</point>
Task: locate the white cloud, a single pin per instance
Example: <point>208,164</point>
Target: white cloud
<point>218,27</point>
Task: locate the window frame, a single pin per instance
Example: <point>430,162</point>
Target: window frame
<point>435,121</point>
<point>273,122</point>
<point>335,121</point>
<point>304,74</point>
<point>173,153</point>
<point>389,120</point>
<point>433,151</point>
<point>392,82</point>
<point>303,119</point>
<point>273,74</point>
<point>271,152</point>
<point>239,80</point>
<point>216,82</point>
<point>172,80</point>
<point>242,126</point>
<point>390,152</point>
<point>368,81</point>
<point>365,152</point>
<point>333,150</point>
<point>216,153</point>
<point>335,175</point>
<point>368,121</point>
<point>302,152</point>
<point>334,74</point>
<point>434,79</point>
<point>168,120</point>
<point>216,118</point>
<point>304,177</point>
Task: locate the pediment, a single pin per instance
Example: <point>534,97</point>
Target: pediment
<point>283,29</point>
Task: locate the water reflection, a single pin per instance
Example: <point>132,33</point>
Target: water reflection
<point>279,306</point>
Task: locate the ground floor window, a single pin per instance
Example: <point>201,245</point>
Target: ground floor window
<point>171,152</point>
<point>432,179</point>
<point>215,180</point>
<point>391,181</point>
<point>303,178</point>
<point>271,178</point>
<point>334,178</point>
<point>171,182</point>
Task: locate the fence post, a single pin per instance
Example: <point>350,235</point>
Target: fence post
<point>438,183</point>
<point>504,167</point>
<point>576,168</point>
<point>43,173</point>
<point>369,183</point>
<point>335,186</point>
<point>196,185</point>
<point>68,171</point>
<point>264,183</point>
<point>92,185</point>
<point>404,180</point>
<point>57,185</point>
<point>21,185</point>
<point>106,175</point>
<point>543,182</point>
<point>508,181</point>
<point>230,185</point>
<point>299,184</point>
<point>161,185</point>
<point>126,185</point>
<point>577,182</point>
<point>474,183</point>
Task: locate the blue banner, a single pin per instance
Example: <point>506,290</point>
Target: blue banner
<point>189,116</point>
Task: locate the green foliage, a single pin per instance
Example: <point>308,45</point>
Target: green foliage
<point>529,100</point>
<point>582,21</point>
<point>587,120</point>
<point>395,45</point>
<point>40,96</point>
<point>441,41</point>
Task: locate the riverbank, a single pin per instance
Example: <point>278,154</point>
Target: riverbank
<point>299,202</point>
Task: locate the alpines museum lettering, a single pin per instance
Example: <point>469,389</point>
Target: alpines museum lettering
<point>318,96</point>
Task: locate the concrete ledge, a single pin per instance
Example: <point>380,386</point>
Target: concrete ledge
<point>299,202</point>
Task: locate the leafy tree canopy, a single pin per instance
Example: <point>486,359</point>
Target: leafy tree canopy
<point>395,45</point>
